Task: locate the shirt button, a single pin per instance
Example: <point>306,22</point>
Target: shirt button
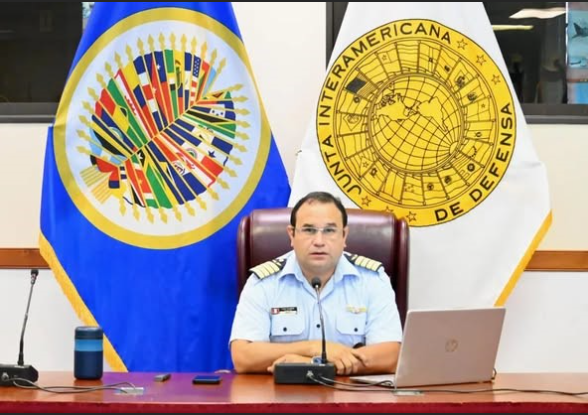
<point>355,329</point>
<point>318,326</point>
<point>285,328</point>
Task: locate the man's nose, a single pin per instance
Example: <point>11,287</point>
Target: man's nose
<point>319,238</point>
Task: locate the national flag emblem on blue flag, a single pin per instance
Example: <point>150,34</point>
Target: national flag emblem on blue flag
<point>159,146</point>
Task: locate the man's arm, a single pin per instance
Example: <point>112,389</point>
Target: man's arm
<point>257,357</point>
<point>373,359</point>
<point>378,358</point>
<point>383,331</point>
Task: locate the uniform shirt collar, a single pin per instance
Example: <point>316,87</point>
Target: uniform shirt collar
<point>344,268</point>
<point>292,267</point>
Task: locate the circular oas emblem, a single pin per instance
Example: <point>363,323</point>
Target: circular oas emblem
<point>160,133</point>
<point>416,119</point>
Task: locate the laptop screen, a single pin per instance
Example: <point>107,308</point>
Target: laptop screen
<point>446,347</point>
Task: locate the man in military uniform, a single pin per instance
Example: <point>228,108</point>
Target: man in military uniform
<point>277,318</point>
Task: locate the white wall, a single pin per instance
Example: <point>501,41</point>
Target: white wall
<point>22,149</point>
<point>564,150</point>
<point>49,336</point>
<point>287,53</point>
<point>545,326</point>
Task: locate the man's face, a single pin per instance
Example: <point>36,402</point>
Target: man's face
<point>318,251</point>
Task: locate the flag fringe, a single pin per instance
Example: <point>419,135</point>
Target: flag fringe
<point>509,287</point>
<point>82,311</point>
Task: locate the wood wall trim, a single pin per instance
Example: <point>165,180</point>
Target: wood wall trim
<point>559,261</point>
<point>17,258</point>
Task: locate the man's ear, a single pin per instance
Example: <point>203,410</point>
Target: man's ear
<point>291,235</point>
<point>345,234</point>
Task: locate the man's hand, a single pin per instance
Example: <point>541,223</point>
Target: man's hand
<point>289,358</point>
<point>348,361</point>
<point>333,349</point>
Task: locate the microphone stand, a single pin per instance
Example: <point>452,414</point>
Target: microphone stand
<point>308,373</point>
<point>316,284</point>
<point>11,375</point>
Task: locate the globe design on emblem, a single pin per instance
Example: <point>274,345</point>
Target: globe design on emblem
<point>416,119</point>
<point>415,124</point>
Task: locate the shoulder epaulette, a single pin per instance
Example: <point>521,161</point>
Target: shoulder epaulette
<point>364,262</point>
<point>268,268</point>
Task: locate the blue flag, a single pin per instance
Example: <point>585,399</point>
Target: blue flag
<point>160,145</point>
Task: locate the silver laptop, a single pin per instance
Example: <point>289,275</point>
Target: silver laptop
<point>442,347</point>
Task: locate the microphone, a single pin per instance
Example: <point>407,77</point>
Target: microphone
<point>316,284</point>
<point>11,374</point>
<point>34,275</point>
<point>309,373</point>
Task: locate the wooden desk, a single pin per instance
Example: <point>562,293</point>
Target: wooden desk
<point>258,393</point>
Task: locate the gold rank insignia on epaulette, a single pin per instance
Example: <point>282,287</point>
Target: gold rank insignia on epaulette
<point>268,268</point>
<point>364,262</point>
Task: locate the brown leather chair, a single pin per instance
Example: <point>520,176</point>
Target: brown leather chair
<point>262,236</point>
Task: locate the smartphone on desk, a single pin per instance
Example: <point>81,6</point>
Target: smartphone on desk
<point>206,380</point>
<point>162,377</point>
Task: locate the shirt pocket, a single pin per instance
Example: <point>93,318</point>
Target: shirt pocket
<point>351,328</point>
<point>287,328</point>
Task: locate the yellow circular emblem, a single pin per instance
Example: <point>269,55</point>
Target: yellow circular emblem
<point>416,119</point>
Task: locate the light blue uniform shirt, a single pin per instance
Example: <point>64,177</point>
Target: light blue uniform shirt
<point>358,307</point>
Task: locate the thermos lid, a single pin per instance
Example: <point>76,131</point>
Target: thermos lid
<point>89,332</point>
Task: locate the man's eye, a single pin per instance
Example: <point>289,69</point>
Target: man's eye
<point>309,231</point>
<point>330,231</point>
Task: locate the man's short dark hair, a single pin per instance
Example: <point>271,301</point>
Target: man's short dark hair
<point>321,197</point>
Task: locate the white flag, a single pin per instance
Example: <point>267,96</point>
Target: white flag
<point>417,116</point>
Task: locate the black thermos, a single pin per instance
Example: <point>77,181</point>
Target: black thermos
<point>89,352</point>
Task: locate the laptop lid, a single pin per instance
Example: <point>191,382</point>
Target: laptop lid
<point>446,347</point>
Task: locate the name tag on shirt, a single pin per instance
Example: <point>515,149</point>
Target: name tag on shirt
<point>284,310</point>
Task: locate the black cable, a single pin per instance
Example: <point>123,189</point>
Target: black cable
<point>69,389</point>
<point>383,383</point>
<point>322,380</point>
<point>387,386</point>
<point>495,390</point>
